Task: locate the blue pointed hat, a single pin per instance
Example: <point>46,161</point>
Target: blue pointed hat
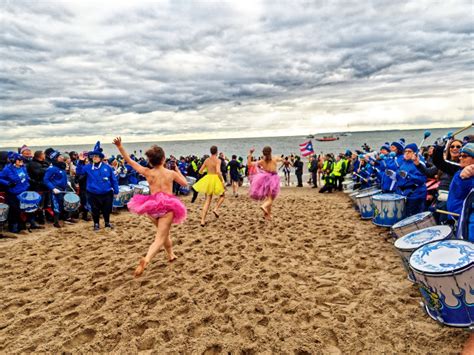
<point>97,151</point>
<point>400,145</point>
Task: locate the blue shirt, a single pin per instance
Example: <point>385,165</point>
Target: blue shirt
<point>458,191</point>
<point>413,184</point>
<point>16,179</point>
<point>100,179</point>
<point>55,178</point>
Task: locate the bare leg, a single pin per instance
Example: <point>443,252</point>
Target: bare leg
<point>205,209</point>
<point>234,187</point>
<point>267,207</point>
<point>469,346</point>
<point>169,249</point>
<point>162,233</point>
<point>220,201</point>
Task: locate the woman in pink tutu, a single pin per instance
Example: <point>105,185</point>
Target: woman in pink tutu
<point>265,184</point>
<point>161,206</point>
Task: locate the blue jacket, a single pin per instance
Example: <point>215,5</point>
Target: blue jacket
<point>55,178</point>
<point>16,179</point>
<point>100,180</point>
<point>458,191</point>
<point>413,184</point>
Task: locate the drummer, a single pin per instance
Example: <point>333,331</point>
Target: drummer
<point>411,181</point>
<point>56,181</point>
<point>101,185</point>
<point>15,177</point>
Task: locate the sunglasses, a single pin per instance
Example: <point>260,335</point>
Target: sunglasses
<point>464,155</point>
<point>455,146</point>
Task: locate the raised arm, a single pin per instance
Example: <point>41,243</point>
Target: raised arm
<point>203,167</point>
<point>179,177</point>
<point>249,157</point>
<point>137,167</point>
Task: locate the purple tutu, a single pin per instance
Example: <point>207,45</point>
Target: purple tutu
<point>264,184</point>
<point>157,205</point>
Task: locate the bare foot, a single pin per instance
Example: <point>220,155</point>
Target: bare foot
<point>215,214</point>
<point>172,258</point>
<point>140,268</point>
<point>265,213</point>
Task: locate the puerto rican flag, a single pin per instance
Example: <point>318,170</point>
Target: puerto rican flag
<point>306,148</point>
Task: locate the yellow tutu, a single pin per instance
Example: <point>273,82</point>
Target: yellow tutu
<point>210,185</point>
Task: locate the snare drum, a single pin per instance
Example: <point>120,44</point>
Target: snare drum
<point>71,202</point>
<point>137,189</point>
<point>348,186</point>
<point>144,183</point>
<point>413,223</point>
<point>365,205</point>
<point>444,272</point>
<point>29,201</point>
<point>3,212</point>
<point>388,209</point>
<point>124,195</point>
<point>409,243</point>
<point>191,180</point>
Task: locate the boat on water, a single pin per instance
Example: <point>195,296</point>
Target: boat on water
<point>327,139</point>
<point>345,134</point>
<point>310,136</point>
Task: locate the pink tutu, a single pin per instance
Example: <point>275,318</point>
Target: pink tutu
<point>264,184</point>
<point>157,205</point>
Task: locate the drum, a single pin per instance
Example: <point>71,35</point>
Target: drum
<point>137,189</point>
<point>348,186</point>
<point>71,202</point>
<point>444,272</point>
<point>3,212</point>
<point>409,243</point>
<point>124,195</point>
<point>388,209</point>
<point>144,183</point>
<point>184,190</point>
<point>365,204</point>
<point>29,201</point>
<point>191,180</point>
<point>413,223</point>
<point>354,194</point>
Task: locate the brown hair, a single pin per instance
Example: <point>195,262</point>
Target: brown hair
<point>267,153</point>
<point>155,155</point>
<point>213,150</point>
<point>448,152</point>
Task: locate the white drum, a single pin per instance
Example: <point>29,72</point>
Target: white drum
<point>407,244</point>
<point>3,212</point>
<point>388,209</point>
<point>364,201</point>
<point>413,223</point>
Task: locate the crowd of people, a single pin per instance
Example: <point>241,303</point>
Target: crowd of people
<point>438,176</point>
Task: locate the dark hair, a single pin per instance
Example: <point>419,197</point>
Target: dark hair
<point>448,154</point>
<point>267,153</point>
<point>155,155</point>
<point>37,154</point>
<point>234,156</point>
<point>213,150</point>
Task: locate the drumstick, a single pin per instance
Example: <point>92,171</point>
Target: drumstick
<point>462,130</point>
<point>361,177</point>
<point>448,213</point>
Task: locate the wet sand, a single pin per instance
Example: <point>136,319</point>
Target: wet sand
<point>316,279</point>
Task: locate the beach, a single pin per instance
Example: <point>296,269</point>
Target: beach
<point>316,279</point>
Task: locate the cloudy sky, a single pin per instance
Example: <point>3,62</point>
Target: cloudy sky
<point>72,72</point>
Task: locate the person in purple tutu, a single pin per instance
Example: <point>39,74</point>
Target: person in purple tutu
<point>161,206</point>
<point>265,184</point>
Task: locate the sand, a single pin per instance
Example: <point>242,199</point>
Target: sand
<point>316,279</point>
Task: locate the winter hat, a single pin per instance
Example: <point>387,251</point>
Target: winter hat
<point>386,146</point>
<point>54,155</point>
<point>400,145</point>
<point>413,147</point>
<point>468,149</point>
<point>97,151</point>
<point>24,148</point>
<point>348,153</point>
<point>13,157</point>
<point>402,140</point>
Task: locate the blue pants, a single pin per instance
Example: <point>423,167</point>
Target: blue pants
<point>57,202</point>
<point>414,206</point>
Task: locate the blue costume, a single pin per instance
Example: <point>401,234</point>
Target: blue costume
<point>458,191</point>
<point>56,178</point>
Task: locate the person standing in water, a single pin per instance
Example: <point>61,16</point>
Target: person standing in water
<point>211,184</point>
<point>161,206</point>
<point>266,182</point>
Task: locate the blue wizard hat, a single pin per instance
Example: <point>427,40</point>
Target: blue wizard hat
<point>97,151</point>
<point>400,145</point>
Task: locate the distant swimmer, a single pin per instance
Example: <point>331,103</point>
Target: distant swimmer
<point>161,206</point>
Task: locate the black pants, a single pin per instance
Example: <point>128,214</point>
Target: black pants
<point>314,177</point>
<point>101,203</point>
<point>14,210</point>
<point>299,177</point>
<point>339,180</point>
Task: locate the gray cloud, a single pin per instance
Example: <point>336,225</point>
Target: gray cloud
<point>172,68</point>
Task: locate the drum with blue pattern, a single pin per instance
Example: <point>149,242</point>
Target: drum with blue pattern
<point>407,244</point>
<point>388,209</point>
<point>124,195</point>
<point>413,223</point>
<point>72,202</point>
<point>29,201</point>
<point>444,272</point>
<point>3,212</point>
<point>364,202</point>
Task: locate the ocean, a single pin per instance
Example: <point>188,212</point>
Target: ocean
<point>280,145</point>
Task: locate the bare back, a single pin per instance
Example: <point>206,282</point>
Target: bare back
<point>212,164</point>
<point>269,166</point>
<point>161,179</point>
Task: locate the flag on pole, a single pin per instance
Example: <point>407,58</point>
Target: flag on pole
<point>306,148</point>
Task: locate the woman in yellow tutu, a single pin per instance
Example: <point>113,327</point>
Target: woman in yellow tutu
<point>211,184</point>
